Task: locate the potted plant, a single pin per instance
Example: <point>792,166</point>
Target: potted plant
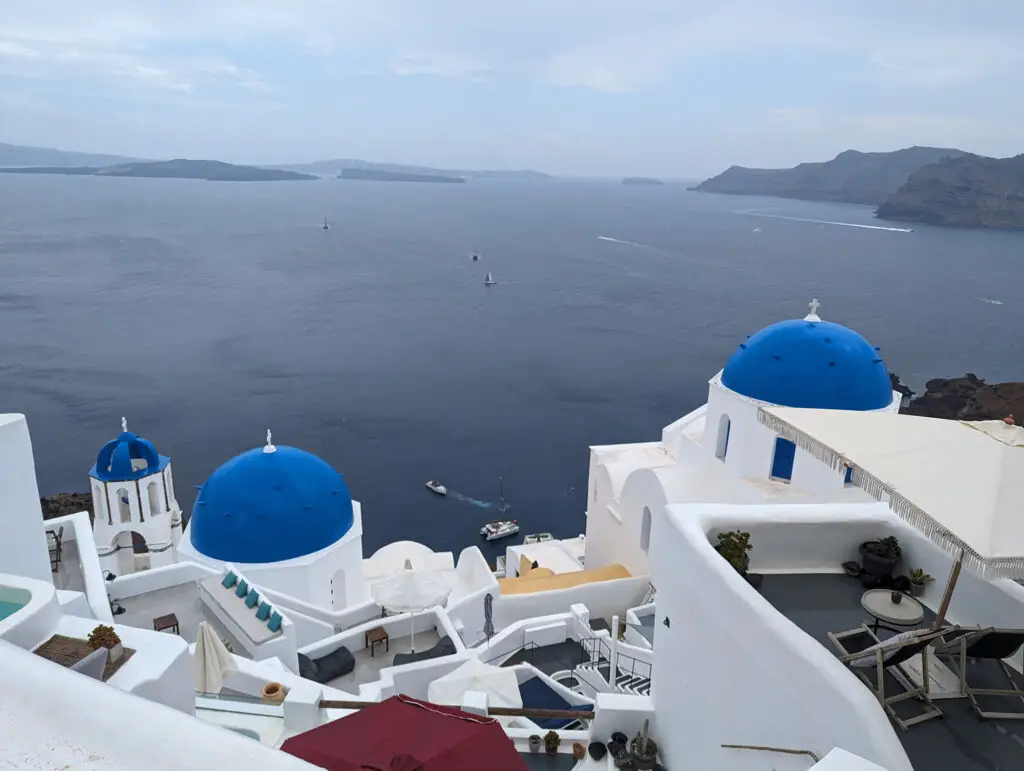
<point>534,743</point>
<point>918,580</point>
<point>623,759</point>
<point>104,636</point>
<point>645,751</point>
<point>578,751</point>
<point>880,557</point>
<point>734,547</point>
<point>551,742</point>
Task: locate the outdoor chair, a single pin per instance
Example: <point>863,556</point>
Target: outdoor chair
<point>972,647</point>
<point>863,651</point>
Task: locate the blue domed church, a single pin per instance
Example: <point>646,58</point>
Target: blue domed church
<point>804,362</point>
<point>286,519</point>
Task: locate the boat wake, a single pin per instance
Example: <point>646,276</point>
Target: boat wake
<point>826,222</point>
<point>621,241</point>
<point>988,300</point>
<point>474,501</point>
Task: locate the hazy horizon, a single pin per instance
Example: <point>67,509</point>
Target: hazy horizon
<point>603,88</point>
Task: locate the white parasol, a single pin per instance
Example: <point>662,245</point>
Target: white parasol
<point>410,591</point>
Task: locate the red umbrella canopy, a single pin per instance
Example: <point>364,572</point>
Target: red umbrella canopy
<point>406,734</point>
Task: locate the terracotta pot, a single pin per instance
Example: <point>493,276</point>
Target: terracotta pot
<point>273,692</point>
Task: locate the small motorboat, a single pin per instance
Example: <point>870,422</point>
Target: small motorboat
<point>436,487</point>
<point>489,281</point>
<point>326,226</point>
<point>499,528</point>
<point>538,538</point>
<point>476,256</point>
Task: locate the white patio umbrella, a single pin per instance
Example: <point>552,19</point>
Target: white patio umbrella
<point>500,684</point>
<point>211,660</point>
<point>410,591</point>
<point>959,483</point>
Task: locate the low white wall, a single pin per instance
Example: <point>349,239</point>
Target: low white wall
<point>78,528</point>
<point>513,638</point>
<point>155,579</point>
<point>625,713</point>
<point>396,627</point>
<point>726,638</point>
<point>604,599</point>
<point>43,730</point>
<point>339,620</point>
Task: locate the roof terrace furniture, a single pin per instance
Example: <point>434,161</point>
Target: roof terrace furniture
<point>329,667</point>
<point>905,613</point>
<point>376,635</point>
<point>862,650</point>
<point>443,647</point>
<point>168,623</point>
<point>991,645</point>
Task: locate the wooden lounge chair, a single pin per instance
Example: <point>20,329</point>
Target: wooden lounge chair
<point>863,651</point>
<point>990,644</point>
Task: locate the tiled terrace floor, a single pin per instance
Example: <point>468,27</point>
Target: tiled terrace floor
<point>959,740</point>
<point>367,669</point>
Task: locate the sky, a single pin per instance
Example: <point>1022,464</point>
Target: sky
<point>668,88</point>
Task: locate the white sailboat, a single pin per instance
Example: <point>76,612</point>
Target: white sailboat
<point>489,281</point>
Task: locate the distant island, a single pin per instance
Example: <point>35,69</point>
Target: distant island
<point>969,191</point>
<point>850,177</point>
<point>45,160</point>
<point>963,398</point>
<point>641,181</point>
<point>378,175</point>
<point>211,171</point>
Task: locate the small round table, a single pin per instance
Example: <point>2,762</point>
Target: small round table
<point>878,603</point>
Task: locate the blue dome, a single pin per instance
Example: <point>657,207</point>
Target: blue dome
<point>269,506</point>
<point>127,458</point>
<point>805,363</point>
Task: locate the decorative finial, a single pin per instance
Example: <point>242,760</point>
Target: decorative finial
<point>124,425</point>
<point>813,315</point>
<point>270,445</point>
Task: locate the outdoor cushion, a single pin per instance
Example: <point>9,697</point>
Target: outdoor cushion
<point>242,589</point>
<point>274,624</point>
<point>264,612</point>
<point>868,658</point>
<point>252,599</point>
<point>328,667</point>
<point>229,580</point>
<point>443,647</point>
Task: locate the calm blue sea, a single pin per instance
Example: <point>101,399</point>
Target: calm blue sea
<point>207,313</point>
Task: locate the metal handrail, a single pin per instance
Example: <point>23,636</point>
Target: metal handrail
<point>782,750</point>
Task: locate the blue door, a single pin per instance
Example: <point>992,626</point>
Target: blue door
<point>782,462</point>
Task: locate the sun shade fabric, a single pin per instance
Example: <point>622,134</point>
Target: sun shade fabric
<point>500,684</point>
<point>211,660</point>
<point>409,591</point>
<point>958,483</point>
<point>401,729</point>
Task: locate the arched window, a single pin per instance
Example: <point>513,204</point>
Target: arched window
<point>99,504</point>
<point>153,493</point>
<point>645,530</point>
<point>124,505</point>
<point>782,459</point>
<point>722,446</point>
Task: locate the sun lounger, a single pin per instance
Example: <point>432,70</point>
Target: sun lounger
<point>974,646</point>
<point>443,647</point>
<point>864,652</point>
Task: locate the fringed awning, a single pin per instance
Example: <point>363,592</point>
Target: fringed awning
<point>986,567</point>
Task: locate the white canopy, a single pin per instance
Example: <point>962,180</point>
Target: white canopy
<point>500,685</point>
<point>210,660</point>
<point>409,591</point>
<point>961,484</point>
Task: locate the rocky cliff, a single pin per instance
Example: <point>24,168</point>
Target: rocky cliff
<point>850,177</point>
<point>963,398</point>
<point>969,191</point>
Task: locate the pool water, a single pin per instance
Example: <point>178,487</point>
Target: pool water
<point>9,608</point>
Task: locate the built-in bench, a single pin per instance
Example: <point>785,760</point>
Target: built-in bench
<point>243,605</point>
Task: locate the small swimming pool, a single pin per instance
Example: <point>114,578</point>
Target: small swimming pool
<point>12,599</point>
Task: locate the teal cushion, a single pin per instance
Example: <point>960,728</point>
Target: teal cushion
<point>275,622</point>
<point>242,589</point>
<point>252,599</point>
<point>264,612</point>
<point>229,580</point>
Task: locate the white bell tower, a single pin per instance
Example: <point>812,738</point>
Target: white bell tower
<point>136,519</point>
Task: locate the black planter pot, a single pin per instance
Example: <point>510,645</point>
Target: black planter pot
<point>597,750</point>
<point>875,566</point>
<point>754,579</point>
<point>624,759</point>
<point>619,738</point>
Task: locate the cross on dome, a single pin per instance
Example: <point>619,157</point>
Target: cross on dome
<point>270,445</point>
<point>124,425</point>
<point>813,315</point>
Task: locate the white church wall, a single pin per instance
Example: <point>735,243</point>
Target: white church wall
<point>750,447</point>
<point>709,648</point>
<point>23,549</point>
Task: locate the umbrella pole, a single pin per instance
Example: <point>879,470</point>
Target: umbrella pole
<point>940,617</point>
<point>412,631</point>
